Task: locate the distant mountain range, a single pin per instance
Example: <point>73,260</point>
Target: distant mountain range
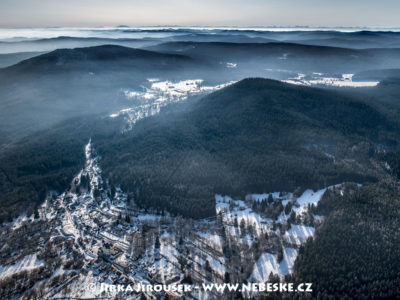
<point>287,56</point>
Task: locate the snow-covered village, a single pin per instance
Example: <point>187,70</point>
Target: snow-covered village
<point>94,233</point>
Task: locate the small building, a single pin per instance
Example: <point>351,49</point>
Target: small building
<point>106,249</point>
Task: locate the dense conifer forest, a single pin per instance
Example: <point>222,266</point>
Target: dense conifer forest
<point>355,254</point>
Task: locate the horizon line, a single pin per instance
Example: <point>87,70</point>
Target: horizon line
<point>211,27</point>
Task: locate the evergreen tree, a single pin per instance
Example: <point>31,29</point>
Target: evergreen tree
<point>157,242</point>
<point>127,219</point>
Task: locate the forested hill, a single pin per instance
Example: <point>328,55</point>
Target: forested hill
<point>263,102</point>
<point>41,91</point>
<point>97,58</point>
<point>255,136</point>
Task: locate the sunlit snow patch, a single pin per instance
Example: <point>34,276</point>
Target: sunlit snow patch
<point>231,65</point>
<point>268,263</point>
<point>284,56</point>
<point>298,234</point>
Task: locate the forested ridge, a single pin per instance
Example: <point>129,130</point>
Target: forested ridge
<point>255,136</point>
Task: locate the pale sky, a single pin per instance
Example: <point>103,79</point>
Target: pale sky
<point>79,13</point>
